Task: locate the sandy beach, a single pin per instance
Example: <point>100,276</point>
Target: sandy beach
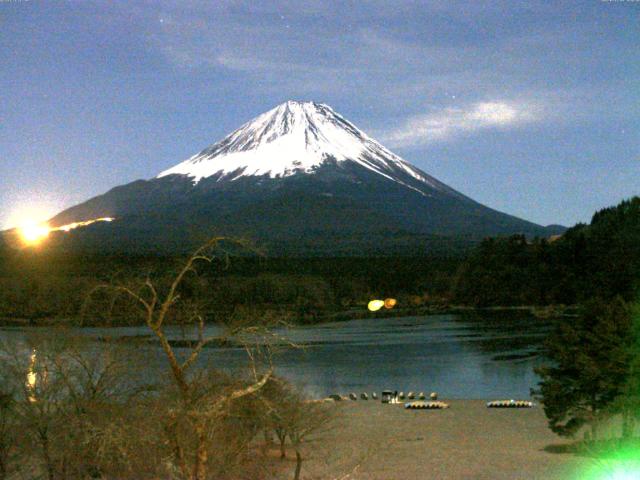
<point>371,440</point>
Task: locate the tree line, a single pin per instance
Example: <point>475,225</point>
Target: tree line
<point>601,259</point>
<point>42,286</point>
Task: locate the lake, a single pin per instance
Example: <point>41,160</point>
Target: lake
<point>459,356</point>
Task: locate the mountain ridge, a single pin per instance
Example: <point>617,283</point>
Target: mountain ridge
<point>297,174</point>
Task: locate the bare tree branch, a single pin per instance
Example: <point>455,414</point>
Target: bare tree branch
<point>242,392</point>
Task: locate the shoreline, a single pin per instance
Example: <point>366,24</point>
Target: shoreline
<point>541,312</point>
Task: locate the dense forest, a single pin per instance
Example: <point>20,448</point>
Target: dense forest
<point>35,286</point>
<point>600,259</point>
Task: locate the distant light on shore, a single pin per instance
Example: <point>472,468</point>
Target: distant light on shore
<point>389,303</point>
<point>375,305</point>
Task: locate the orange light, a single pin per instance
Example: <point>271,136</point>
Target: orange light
<point>390,303</point>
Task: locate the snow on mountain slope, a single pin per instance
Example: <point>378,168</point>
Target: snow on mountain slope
<point>344,194</point>
<point>296,137</point>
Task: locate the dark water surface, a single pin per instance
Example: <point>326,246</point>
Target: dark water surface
<point>471,356</point>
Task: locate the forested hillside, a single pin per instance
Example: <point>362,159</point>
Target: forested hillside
<point>601,259</point>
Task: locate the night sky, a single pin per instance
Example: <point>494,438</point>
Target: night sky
<point>530,107</point>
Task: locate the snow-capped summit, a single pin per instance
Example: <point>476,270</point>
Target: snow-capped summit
<point>295,137</point>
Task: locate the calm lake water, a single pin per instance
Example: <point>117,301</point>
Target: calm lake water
<point>459,356</point>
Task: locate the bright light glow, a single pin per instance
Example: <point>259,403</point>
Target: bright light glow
<point>622,473</point>
<point>32,233</point>
<point>618,462</point>
<point>31,208</point>
<point>624,476</point>
<point>71,226</point>
<point>31,377</point>
<point>375,305</point>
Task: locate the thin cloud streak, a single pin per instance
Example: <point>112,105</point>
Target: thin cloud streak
<point>442,125</point>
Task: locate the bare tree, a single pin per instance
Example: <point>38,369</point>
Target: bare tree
<point>275,400</point>
<point>306,423</point>
<point>193,420</point>
<point>8,432</point>
<point>85,413</point>
<point>292,416</point>
<point>65,394</point>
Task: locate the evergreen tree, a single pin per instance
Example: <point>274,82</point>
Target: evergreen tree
<point>628,403</point>
<point>589,366</point>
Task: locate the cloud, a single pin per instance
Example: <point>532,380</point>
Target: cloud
<point>395,59</point>
<point>289,54</point>
<point>451,122</point>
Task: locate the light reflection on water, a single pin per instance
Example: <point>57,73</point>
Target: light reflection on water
<point>457,356</point>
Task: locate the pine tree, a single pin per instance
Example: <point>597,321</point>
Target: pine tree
<point>628,403</point>
<point>589,367</point>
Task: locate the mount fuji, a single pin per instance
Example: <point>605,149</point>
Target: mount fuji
<point>297,179</point>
